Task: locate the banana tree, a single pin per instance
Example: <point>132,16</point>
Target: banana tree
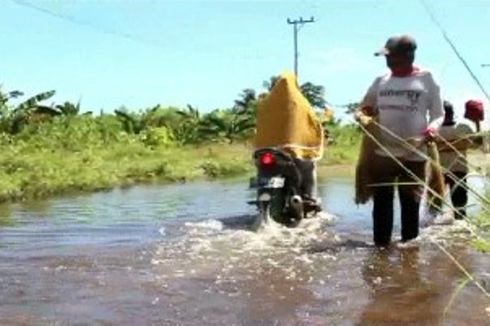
<point>315,94</point>
<point>187,129</point>
<point>5,97</point>
<point>227,125</point>
<point>28,111</point>
<point>247,101</point>
<point>190,115</point>
<point>246,106</point>
<point>33,102</point>
<point>70,109</point>
<point>131,123</point>
<point>5,109</point>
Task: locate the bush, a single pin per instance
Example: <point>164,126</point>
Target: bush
<point>156,137</point>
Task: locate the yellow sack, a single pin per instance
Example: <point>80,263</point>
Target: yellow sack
<point>435,178</point>
<point>364,167</point>
<point>286,120</point>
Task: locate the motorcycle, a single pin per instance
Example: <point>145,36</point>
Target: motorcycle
<point>278,185</point>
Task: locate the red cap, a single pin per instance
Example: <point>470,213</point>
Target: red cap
<point>473,110</point>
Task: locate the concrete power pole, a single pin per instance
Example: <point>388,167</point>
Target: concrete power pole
<point>297,26</point>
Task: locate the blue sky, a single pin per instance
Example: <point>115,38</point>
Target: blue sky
<point>141,53</point>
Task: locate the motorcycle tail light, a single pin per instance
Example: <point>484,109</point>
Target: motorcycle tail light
<point>267,158</point>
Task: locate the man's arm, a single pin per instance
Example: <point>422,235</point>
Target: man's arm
<point>367,109</point>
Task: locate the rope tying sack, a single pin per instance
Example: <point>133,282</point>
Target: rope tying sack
<point>364,175</point>
<point>366,164</point>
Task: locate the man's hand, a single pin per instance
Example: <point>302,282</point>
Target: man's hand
<point>429,133</point>
<point>364,116</point>
<point>365,120</point>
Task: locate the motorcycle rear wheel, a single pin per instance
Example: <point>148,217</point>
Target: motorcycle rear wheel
<point>281,211</point>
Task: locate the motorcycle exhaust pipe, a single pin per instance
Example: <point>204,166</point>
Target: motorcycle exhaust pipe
<point>296,202</point>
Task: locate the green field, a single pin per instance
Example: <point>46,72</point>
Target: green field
<point>57,149</point>
<point>77,154</point>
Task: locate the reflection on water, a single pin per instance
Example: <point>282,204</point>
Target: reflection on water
<point>419,287</point>
<point>400,293</point>
<point>5,215</point>
<point>185,255</point>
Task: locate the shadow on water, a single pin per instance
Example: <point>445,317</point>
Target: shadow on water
<point>185,255</point>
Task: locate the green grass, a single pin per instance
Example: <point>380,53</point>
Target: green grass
<point>344,154</point>
<point>29,174</point>
<point>482,245</point>
<point>84,153</point>
<point>28,170</point>
<point>482,223</point>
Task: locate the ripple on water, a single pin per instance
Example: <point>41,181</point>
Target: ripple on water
<point>165,261</point>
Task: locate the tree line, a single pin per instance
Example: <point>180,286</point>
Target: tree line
<point>158,125</point>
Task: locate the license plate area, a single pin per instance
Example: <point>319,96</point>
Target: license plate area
<point>274,182</point>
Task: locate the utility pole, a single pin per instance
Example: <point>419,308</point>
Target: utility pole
<point>297,26</point>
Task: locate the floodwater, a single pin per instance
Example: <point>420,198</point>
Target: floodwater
<point>184,254</point>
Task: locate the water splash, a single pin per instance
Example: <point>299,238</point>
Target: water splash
<point>210,250</point>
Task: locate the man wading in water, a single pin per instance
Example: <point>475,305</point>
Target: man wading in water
<point>401,102</point>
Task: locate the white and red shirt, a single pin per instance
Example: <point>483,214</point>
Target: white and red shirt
<point>406,106</point>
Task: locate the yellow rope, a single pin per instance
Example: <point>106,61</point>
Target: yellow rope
<point>459,181</point>
<point>451,257</point>
<point>394,158</point>
<point>415,149</point>
<point>453,148</point>
<point>416,178</point>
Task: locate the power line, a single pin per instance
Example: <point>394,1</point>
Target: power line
<point>297,26</point>
<point>75,21</point>
<point>453,47</point>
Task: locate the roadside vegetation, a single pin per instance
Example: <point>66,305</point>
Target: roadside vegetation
<point>54,148</point>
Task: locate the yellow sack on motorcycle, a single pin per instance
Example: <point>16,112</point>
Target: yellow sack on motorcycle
<point>286,120</point>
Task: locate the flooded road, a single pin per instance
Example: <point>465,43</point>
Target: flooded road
<point>184,254</point>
